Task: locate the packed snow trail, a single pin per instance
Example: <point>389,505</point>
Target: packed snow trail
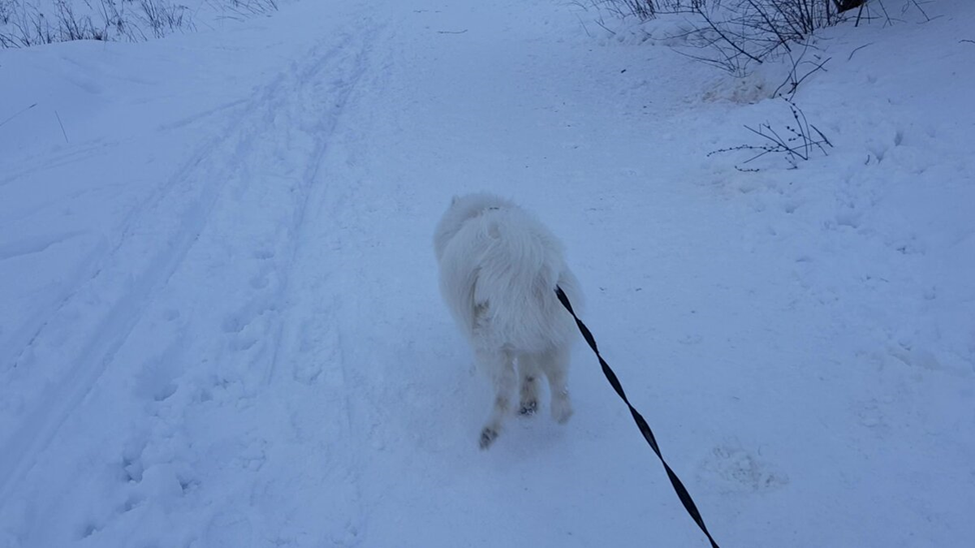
<point>243,344</point>
<point>239,205</point>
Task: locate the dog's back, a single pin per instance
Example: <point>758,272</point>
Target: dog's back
<point>499,269</point>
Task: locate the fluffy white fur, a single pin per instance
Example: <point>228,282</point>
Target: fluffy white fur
<point>498,271</point>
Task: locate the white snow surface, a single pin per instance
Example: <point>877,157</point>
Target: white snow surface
<point>219,316</point>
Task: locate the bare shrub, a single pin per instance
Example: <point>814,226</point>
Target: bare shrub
<point>734,34</point>
<point>250,7</point>
<point>870,10</point>
<point>648,9</point>
<point>6,11</point>
<point>163,18</point>
<point>682,6</point>
<point>27,27</point>
<point>24,23</point>
<point>75,27</point>
<point>115,19</point>
<point>800,69</point>
<point>795,141</point>
<point>644,9</point>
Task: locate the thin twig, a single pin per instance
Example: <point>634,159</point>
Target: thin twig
<point>62,126</point>
<point>583,23</point>
<point>883,8</point>
<point>858,49</point>
<point>724,37</point>
<point>603,25</point>
<point>920,9</point>
<point>17,114</point>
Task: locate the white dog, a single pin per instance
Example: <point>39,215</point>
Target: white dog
<point>498,271</point>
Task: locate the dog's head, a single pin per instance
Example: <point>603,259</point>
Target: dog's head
<point>463,208</point>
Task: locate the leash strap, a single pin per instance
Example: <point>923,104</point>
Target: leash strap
<point>641,423</point>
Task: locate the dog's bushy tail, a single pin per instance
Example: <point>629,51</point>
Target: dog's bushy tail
<point>520,266</point>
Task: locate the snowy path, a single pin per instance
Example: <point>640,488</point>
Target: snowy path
<point>200,275</point>
<point>237,338</point>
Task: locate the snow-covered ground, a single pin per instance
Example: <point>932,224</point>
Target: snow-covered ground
<point>219,317</point>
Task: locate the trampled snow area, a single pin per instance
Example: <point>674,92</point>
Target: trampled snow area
<point>219,316</point>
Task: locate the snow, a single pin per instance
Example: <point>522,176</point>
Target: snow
<point>219,322</point>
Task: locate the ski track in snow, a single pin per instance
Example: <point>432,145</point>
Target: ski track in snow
<point>277,138</point>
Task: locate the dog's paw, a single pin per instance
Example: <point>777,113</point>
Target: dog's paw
<point>561,410</point>
<point>488,435</point>
<point>528,408</point>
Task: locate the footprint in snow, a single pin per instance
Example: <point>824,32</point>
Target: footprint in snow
<point>730,468</point>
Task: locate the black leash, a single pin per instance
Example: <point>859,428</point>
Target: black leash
<point>641,423</point>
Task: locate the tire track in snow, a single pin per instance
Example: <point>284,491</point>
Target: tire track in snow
<point>192,191</point>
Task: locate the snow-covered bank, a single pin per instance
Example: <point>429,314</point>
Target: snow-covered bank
<point>219,323</point>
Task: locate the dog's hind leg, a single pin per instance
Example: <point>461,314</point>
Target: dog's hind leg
<point>529,372</point>
<point>502,368</point>
<point>555,364</point>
